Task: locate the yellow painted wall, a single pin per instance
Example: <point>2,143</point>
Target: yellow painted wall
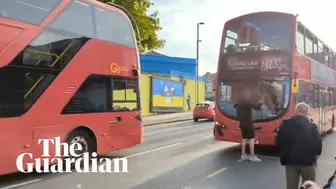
<point>189,87</point>
<point>145,91</point>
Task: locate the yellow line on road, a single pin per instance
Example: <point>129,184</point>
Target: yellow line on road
<point>217,172</point>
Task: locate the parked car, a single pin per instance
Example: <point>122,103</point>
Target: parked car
<point>204,110</point>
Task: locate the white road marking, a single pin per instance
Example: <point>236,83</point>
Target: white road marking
<point>21,184</point>
<point>149,133</point>
<point>217,172</point>
<point>186,125</point>
<point>153,150</point>
<point>129,156</point>
<point>164,147</point>
<point>326,162</point>
<point>207,136</point>
<point>160,148</point>
<point>146,152</point>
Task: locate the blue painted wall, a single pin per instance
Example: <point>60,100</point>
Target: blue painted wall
<point>173,66</point>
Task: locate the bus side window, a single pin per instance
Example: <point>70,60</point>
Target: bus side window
<point>122,34</point>
<point>334,61</point>
<point>315,49</point>
<point>300,45</point>
<point>317,96</point>
<point>326,56</point>
<point>91,97</point>
<point>325,97</point>
<point>124,95</point>
<point>316,100</point>
<point>321,97</point>
<point>334,97</point>
<point>309,47</point>
<point>310,95</point>
<point>331,96</point>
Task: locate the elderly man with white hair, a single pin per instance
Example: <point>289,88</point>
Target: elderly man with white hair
<point>300,145</point>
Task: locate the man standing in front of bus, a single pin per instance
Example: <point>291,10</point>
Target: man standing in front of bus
<point>244,115</point>
<point>300,146</point>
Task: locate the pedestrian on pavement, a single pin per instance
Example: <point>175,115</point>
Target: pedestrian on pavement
<point>244,115</point>
<point>300,146</point>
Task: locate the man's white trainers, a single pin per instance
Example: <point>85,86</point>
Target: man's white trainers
<point>254,158</point>
<point>244,157</point>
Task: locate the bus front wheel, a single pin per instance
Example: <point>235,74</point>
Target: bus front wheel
<point>82,138</point>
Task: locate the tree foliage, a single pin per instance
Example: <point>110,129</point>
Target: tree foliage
<point>148,25</point>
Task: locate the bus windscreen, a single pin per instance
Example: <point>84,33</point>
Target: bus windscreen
<point>274,92</point>
<point>258,33</point>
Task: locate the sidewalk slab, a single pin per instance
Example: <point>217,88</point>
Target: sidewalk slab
<point>166,118</point>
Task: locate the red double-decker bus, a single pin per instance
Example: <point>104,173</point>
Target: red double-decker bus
<point>69,69</point>
<point>283,63</point>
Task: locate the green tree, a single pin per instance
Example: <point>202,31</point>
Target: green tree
<point>148,25</point>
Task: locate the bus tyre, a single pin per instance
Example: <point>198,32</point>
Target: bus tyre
<point>84,139</point>
<point>195,119</point>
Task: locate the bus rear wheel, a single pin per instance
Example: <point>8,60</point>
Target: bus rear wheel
<point>82,138</point>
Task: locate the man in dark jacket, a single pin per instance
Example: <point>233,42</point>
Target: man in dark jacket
<point>244,116</point>
<point>300,145</point>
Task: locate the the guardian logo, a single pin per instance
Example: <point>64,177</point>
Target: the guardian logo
<point>63,160</point>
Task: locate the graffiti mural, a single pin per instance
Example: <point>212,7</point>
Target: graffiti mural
<point>167,95</point>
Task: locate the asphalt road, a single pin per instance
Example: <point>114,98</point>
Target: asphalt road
<point>180,156</point>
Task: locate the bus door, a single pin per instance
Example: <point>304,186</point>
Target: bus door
<point>316,108</point>
<point>325,100</point>
<point>321,108</point>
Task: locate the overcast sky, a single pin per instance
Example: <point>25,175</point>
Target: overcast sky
<point>179,19</point>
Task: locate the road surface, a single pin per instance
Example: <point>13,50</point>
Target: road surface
<point>180,156</point>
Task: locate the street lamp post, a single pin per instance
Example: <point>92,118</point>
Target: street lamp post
<point>197,59</point>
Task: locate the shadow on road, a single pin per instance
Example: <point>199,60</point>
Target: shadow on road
<point>269,151</point>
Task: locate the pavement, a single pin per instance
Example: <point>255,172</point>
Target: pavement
<point>166,118</point>
<point>180,155</point>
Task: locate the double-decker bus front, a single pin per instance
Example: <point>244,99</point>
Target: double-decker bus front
<point>256,53</point>
<point>68,69</point>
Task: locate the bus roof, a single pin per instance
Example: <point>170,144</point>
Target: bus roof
<point>260,12</point>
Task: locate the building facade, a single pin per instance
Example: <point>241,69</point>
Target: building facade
<point>168,84</point>
<point>209,79</point>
